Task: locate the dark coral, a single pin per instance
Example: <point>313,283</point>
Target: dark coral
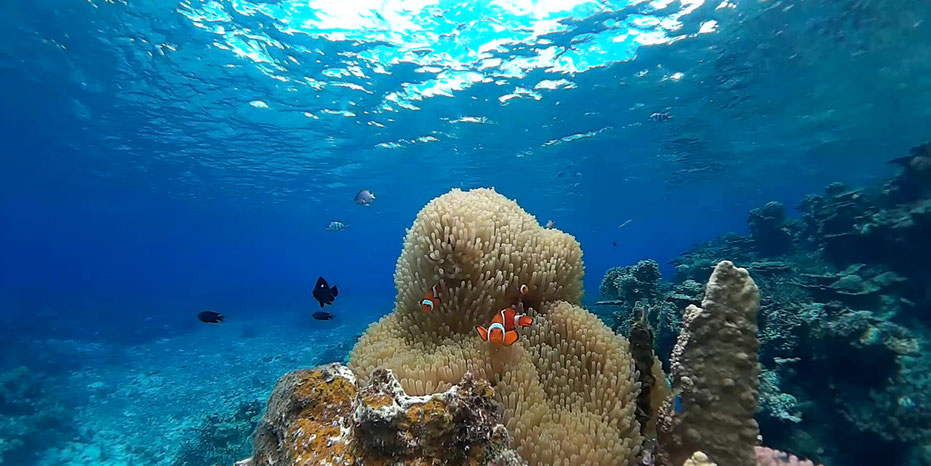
<point>641,349</point>
<point>768,229</point>
<point>845,315</point>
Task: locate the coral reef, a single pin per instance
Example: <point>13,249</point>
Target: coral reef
<point>322,416</point>
<point>844,317</point>
<point>31,418</point>
<point>714,375</point>
<point>638,282</point>
<point>570,392</point>
<point>567,387</point>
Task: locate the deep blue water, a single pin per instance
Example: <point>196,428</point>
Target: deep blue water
<point>161,158</point>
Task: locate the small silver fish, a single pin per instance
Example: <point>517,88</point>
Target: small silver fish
<point>550,223</point>
<point>660,117</point>
<point>336,226</point>
<point>625,223</point>
<point>364,197</point>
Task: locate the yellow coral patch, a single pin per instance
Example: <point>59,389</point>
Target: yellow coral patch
<point>318,442</point>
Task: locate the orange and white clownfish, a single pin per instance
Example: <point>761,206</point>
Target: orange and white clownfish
<point>503,328</point>
<point>431,299</point>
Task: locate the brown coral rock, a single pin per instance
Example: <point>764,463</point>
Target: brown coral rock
<point>715,370</point>
<point>320,416</point>
<point>308,419</point>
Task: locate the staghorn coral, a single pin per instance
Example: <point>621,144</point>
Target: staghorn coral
<point>567,387</point>
<point>321,416</point>
<point>715,370</point>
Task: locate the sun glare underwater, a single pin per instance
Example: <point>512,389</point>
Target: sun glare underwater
<point>543,232</point>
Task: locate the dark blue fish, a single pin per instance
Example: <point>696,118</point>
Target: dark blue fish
<point>677,404</point>
<point>324,293</point>
<point>323,315</point>
<point>210,317</point>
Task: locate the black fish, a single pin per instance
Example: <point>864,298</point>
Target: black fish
<point>614,243</point>
<point>324,293</point>
<point>210,317</point>
<point>323,315</point>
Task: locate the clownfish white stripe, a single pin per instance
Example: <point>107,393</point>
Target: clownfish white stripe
<point>427,302</point>
<point>494,326</point>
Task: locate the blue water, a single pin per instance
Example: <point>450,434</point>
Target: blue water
<point>161,158</point>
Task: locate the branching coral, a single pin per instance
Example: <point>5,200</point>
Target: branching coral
<point>568,386</point>
<point>714,372</point>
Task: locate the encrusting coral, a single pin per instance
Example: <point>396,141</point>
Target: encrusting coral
<point>714,375</point>
<point>322,416</point>
<point>568,386</point>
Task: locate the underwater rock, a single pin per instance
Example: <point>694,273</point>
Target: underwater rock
<point>714,375</point>
<point>768,229</point>
<point>321,416</point>
<point>914,181</point>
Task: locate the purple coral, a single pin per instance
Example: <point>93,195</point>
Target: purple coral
<point>769,457</point>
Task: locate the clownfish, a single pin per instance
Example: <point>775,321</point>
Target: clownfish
<point>503,328</point>
<point>432,298</point>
